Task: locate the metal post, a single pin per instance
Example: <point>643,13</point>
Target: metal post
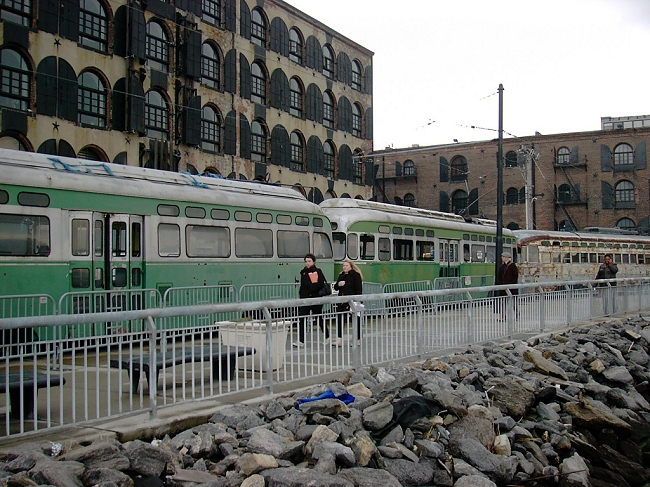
<point>499,186</point>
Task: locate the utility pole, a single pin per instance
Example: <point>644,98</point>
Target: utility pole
<point>497,260</point>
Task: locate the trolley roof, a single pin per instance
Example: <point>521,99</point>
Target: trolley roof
<point>56,172</point>
<point>525,237</point>
<point>347,211</point>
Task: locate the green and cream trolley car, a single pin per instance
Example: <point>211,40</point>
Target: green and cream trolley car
<point>393,244</point>
<point>75,226</point>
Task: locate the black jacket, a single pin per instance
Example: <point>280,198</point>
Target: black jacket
<point>310,289</point>
<point>353,285</point>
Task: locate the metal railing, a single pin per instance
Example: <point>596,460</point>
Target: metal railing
<point>161,356</point>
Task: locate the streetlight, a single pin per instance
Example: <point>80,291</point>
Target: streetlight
<point>499,186</point>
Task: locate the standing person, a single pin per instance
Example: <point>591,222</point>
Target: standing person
<point>349,283</point>
<point>312,280</point>
<point>508,274</point>
<point>608,270</point>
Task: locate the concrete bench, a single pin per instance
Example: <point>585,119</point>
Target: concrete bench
<point>224,362</point>
<point>17,383</point>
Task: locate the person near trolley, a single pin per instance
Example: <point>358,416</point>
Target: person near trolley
<point>608,270</point>
<point>349,283</point>
<point>312,280</point>
<point>508,274</point>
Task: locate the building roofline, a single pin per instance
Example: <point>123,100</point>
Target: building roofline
<point>318,23</point>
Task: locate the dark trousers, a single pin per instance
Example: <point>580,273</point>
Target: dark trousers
<point>303,312</point>
<point>343,317</point>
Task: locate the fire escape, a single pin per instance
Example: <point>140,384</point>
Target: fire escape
<point>567,194</point>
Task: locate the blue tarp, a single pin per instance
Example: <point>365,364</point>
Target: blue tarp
<point>345,398</point>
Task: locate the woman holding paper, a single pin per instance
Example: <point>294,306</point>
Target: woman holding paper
<point>312,280</point>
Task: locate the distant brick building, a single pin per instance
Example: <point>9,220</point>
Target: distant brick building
<point>241,88</point>
<point>576,180</point>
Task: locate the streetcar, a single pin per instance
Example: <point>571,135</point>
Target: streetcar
<point>78,226</point>
<point>546,256</point>
<point>398,244</point>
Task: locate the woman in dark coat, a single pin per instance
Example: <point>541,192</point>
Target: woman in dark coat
<point>312,280</point>
<point>508,274</point>
<point>349,283</point>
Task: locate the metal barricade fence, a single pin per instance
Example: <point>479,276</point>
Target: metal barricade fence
<point>62,379</point>
<point>24,306</point>
<point>114,301</point>
<point>198,295</point>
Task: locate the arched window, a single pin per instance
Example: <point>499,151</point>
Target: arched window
<point>624,194</point>
<point>328,164</point>
<point>409,200</point>
<point>328,61</point>
<point>295,45</point>
<point>211,11</point>
<point>17,12</point>
<point>623,155</point>
<point>459,202</point>
<point>210,66</point>
<point>328,109</point>
<point>93,25</point>
<point>156,116</point>
<point>157,47</point>
<point>458,169</point>
<point>356,120</point>
<point>409,168</point>
<point>511,159</point>
<point>356,75</point>
<point>297,152</point>
<point>16,80</point>
<point>91,154</point>
<point>564,193</point>
<point>8,142</point>
<point>295,102</point>
<point>210,130</point>
<point>512,196</point>
<point>258,27</point>
<point>258,142</point>
<point>258,84</point>
<point>357,167</point>
<point>513,226</point>
<point>626,224</point>
<point>563,155</point>
<point>91,100</point>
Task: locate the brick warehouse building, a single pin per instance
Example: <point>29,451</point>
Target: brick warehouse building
<point>240,88</point>
<point>579,180</point>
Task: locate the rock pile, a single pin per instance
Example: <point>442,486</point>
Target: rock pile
<point>568,409</point>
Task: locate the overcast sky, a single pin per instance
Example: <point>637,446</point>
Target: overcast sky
<point>438,64</point>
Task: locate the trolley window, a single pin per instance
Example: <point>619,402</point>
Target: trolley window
<point>283,219</point>
<point>323,246</point>
<point>118,230</point>
<point>384,229</point>
<point>80,278</point>
<point>80,238</point>
<point>24,236</point>
<point>303,221</point>
<point>419,232</point>
<point>168,210</point>
<point>217,214</point>
<point>264,218</point>
<point>136,239</point>
<point>397,230</point>
<point>402,249</point>
<point>205,241</point>
<point>169,240</point>
<point>338,241</point>
<point>243,216</point>
<point>490,254</point>
<point>430,233</point>
<point>195,212</point>
<point>253,242</point>
<point>425,250</point>
<point>318,222</point>
<point>99,238</point>
<point>367,247</point>
<point>478,253</point>
<point>533,253</point>
<point>4,197</point>
<point>384,249</point>
<point>292,244</point>
<point>33,199</point>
